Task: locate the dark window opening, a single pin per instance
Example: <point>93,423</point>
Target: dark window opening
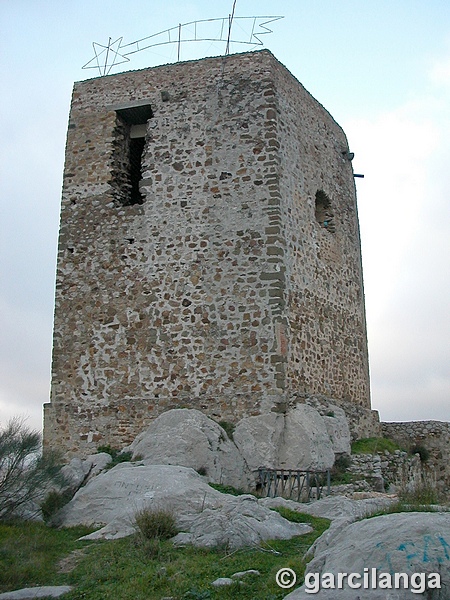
<point>135,157</point>
<point>129,146</point>
<point>324,214</point>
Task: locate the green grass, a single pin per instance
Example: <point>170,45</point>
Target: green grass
<point>423,495</point>
<point>425,498</point>
<point>374,445</point>
<point>227,489</point>
<point>29,553</point>
<point>125,570</point>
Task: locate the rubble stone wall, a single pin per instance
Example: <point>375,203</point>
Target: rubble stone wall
<point>434,436</point>
<point>382,470</point>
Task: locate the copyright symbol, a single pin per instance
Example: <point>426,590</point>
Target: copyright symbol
<point>286,578</point>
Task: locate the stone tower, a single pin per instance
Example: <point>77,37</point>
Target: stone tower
<point>209,251</point>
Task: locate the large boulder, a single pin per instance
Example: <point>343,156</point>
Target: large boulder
<point>395,543</point>
<point>188,438</point>
<point>78,471</point>
<point>336,507</point>
<point>258,438</point>
<point>112,498</point>
<point>206,516</point>
<point>338,429</point>
<point>295,440</point>
<point>241,521</point>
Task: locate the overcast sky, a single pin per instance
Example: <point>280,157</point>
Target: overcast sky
<point>380,67</point>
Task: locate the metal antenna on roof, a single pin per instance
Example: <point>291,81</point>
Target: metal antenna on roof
<point>107,56</point>
<point>230,19</point>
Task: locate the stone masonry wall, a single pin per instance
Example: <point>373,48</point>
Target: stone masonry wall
<point>383,470</point>
<point>325,312</point>
<point>218,289</point>
<point>362,422</point>
<point>434,436</point>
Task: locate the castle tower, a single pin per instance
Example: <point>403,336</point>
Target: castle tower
<point>209,252</point>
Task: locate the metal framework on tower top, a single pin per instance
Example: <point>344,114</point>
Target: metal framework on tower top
<point>220,30</point>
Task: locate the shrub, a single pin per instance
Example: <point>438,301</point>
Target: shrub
<point>117,456</point>
<point>339,474</point>
<point>53,501</point>
<point>113,452</point>
<point>24,471</point>
<point>155,523</point>
<point>420,495</point>
<point>421,451</point>
<point>342,463</point>
<point>228,428</point>
<point>374,445</point>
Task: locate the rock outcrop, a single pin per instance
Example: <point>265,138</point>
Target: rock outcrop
<point>409,543</point>
<point>240,521</point>
<point>78,471</point>
<point>206,516</point>
<point>297,439</point>
<point>188,438</point>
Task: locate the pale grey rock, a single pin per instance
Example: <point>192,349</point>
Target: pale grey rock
<point>77,472</point>
<point>53,591</point>
<point>295,440</point>
<point>188,438</point>
<point>394,543</point>
<point>221,581</point>
<point>278,502</point>
<point>305,441</point>
<point>98,463</point>
<point>113,497</point>
<point>241,521</point>
<point>207,517</point>
<point>31,510</point>
<point>74,472</point>
<point>342,511</point>
<point>338,430</point>
<point>119,527</point>
<point>334,507</point>
<point>258,439</point>
<point>241,574</point>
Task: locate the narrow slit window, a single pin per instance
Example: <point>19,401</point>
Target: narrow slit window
<point>135,153</point>
<point>129,146</point>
